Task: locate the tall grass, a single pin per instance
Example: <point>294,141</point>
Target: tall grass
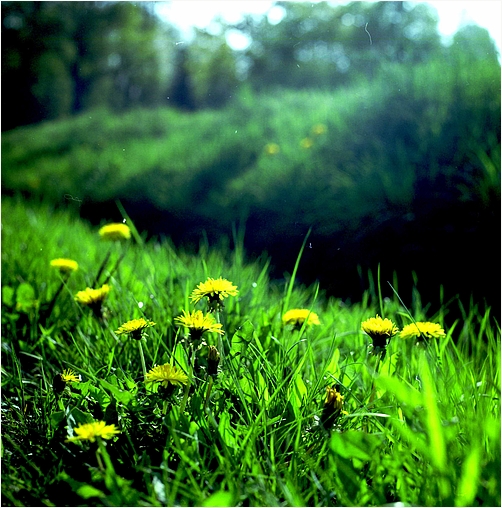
<point>421,426</point>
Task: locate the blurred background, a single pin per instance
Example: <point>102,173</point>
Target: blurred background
<point>360,122</point>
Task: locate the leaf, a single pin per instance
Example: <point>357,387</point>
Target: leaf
<point>433,420</point>
<point>414,439</point>
<point>8,296</point>
<point>120,395</point>
<point>300,389</point>
<point>226,431</point>
<point>332,368</point>
<point>247,389</point>
<point>84,387</point>
<point>355,445</point>
<point>220,498</point>
<point>57,417</point>
<point>88,491</point>
<point>180,357</point>
<point>407,395</point>
<point>100,395</point>
<point>25,292</point>
<point>78,416</point>
<point>82,489</point>
<point>242,337</point>
<point>262,387</point>
<point>25,297</point>
<point>469,481</point>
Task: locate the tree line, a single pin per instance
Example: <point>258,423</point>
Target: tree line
<point>63,58</point>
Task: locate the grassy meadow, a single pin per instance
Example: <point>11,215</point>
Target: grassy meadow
<point>299,413</point>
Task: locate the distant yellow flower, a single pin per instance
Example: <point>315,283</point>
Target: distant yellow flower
<point>216,290</point>
<point>64,265</point>
<point>91,431</point>
<point>307,143</point>
<point>297,317</point>
<point>92,297</point>
<point>115,231</point>
<point>318,129</point>
<point>166,375</point>
<point>272,149</point>
<point>60,380</point>
<point>134,327</point>
<point>421,330</point>
<point>198,323</point>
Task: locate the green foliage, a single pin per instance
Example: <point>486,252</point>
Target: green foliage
<point>66,57</point>
<point>421,425</point>
<point>380,146</point>
<point>325,46</point>
<point>62,58</point>
<point>212,71</point>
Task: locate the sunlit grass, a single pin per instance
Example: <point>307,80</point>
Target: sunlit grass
<point>419,425</point>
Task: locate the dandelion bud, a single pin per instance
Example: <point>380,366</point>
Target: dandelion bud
<point>213,359</point>
<point>332,406</point>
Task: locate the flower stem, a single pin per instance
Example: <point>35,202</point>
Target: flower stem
<point>378,360</point>
<point>113,270</point>
<point>223,342</point>
<point>142,356</point>
<point>52,303</point>
<point>100,462</point>
<point>102,267</point>
<point>208,392</point>
<point>191,363</point>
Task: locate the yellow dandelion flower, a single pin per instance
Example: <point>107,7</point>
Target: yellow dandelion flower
<point>115,231</point>
<point>91,431</point>
<point>216,290</point>
<point>166,375</point>
<point>333,406</point>
<point>64,265</point>
<point>334,398</point>
<point>380,330</point>
<point>69,376</point>
<point>307,143</point>
<point>92,296</point>
<point>318,129</point>
<point>272,149</point>
<point>61,380</point>
<point>422,330</point>
<point>297,317</point>
<point>199,323</point>
<point>134,327</point>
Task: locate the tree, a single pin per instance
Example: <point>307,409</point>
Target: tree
<point>320,45</point>
<point>211,65</point>
<point>60,58</point>
<point>181,90</point>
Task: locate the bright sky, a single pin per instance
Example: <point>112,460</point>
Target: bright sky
<point>189,13</point>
